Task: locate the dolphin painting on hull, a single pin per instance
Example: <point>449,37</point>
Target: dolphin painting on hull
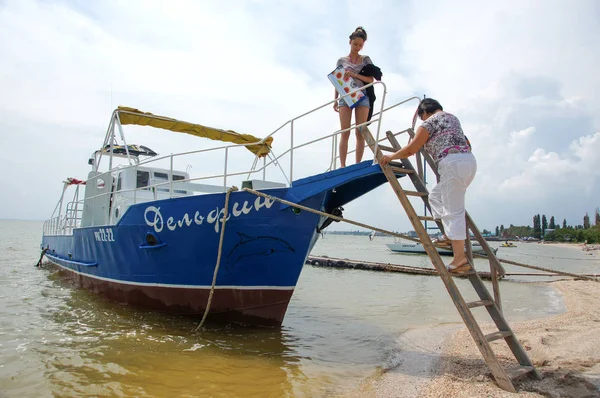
<point>250,246</point>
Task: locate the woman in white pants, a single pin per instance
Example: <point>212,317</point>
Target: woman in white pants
<point>444,140</point>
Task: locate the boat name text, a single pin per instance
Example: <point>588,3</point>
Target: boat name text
<point>155,219</point>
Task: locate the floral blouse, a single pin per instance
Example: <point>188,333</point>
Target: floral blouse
<point>445,133</point>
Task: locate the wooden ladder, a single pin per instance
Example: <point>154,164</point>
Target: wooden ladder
<point>503,377</point>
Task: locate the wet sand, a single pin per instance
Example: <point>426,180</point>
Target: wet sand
<point>444,361</point>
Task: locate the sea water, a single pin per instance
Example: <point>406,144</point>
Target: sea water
<point>342,327</point>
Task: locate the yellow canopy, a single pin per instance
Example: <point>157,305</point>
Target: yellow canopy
<point>135,116</point>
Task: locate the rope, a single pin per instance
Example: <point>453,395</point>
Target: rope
<point>579,276</point>
<point>214,281</point>
<point>552,257</point>
<point>366,226</point>
<point>334,217</point>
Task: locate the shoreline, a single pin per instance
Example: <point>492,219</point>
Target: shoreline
<point>412,369</point>
<point>593,249</point>
<point>443,360</point>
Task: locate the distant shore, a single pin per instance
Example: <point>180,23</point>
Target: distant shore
<point>444,361</point>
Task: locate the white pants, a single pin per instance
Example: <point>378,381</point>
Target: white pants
<point>447,198</point>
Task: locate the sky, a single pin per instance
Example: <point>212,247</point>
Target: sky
<point>520,75</point>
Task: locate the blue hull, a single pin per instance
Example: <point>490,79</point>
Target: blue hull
<point>162,254</point>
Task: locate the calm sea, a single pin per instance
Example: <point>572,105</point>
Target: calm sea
<point>342,327</point>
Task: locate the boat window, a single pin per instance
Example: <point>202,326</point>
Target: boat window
<point>142,179</point>
<point>119,180</point>
<point>179,178</point>
<point>161,177</point>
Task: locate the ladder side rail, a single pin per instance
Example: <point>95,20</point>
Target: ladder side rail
<point>496,287</point>
<point>502,325</point>
<point>420,165</point>
<point>488,354</point>
<point>468,247</point>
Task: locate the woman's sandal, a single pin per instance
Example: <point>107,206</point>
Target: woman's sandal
<point>460,269</point>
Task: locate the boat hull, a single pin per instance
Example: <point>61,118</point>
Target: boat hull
<point>162,255</point>
<point>261,259</point>
<point>417,248</point>
<point>246,305</point>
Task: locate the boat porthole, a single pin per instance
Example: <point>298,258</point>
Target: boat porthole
<point>296,210</point>
<point>117,213</point>
<point>151,239</point>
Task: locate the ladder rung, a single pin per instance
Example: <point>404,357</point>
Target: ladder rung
<point>480,303</point>
<point>416,193</point>
<point>519,371</point>
<point>498,335</point>
<point>396,164</point>
<point>387,148</point>
<point>426,218</point>
<point>397,169</point>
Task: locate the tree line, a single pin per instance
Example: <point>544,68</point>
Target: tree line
<point>550,230</point>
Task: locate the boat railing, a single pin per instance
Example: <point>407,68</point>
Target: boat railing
<point>273,160</point>
<point>65,224</point>
<point>202,184</point>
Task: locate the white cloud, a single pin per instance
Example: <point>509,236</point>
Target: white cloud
<point>518,75</point>
<point>517,137</point>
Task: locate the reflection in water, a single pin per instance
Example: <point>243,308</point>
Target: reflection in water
<point>102,348</point>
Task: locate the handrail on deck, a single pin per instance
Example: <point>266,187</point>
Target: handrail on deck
<point>273,161</point>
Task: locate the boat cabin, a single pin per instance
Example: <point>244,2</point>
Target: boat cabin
<point>134,173</point>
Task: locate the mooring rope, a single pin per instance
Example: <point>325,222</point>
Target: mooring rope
<point>214,281</point>
<point>402,236</point>
<point>552,257</point>
<point>334,217</point>
<point>564,273</point>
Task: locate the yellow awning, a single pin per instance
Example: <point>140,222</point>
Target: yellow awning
<point>134,116</point>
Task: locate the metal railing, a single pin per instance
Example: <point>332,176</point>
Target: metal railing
<point>60,225</point>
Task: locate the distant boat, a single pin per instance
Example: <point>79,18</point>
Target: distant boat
<point>508,244</point>
<point>401,247</point>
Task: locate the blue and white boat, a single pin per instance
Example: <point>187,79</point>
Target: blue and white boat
<point>417,248</point>
<point>148,236</point>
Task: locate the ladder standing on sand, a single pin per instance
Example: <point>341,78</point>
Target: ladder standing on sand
<point>503,377</point>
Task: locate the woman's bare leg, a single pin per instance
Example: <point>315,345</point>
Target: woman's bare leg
<point>345,119</point>
<point>361,114</point>
<point>460,258</point>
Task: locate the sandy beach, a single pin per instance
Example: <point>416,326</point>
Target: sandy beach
<point>590,249</point>
<point>444,361</point>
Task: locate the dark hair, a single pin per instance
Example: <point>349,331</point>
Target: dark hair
<point>429,105</point>
<point>359,33</point>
